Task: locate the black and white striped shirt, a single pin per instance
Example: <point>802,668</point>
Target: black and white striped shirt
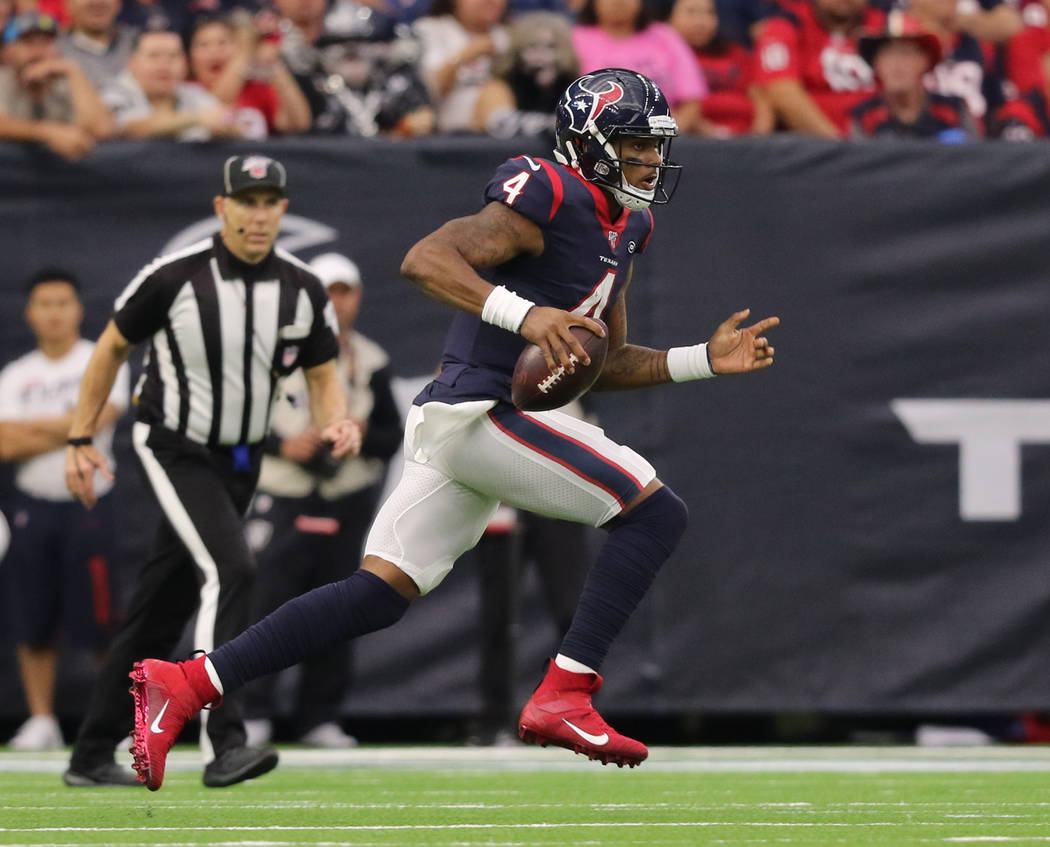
<point>222,332</point>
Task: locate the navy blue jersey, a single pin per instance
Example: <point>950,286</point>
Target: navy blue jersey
<point>583,267</point>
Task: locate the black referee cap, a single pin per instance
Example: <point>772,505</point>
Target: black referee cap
<point>243,172</point>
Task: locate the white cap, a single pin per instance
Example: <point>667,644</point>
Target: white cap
<point>335,267</point>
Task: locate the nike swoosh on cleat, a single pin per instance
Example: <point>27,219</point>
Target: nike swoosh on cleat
<point>597,740</point>
<point>155,726</point>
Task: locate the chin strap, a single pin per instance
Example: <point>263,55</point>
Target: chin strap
<point>631,201</point>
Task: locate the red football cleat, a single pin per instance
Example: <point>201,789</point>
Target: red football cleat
<point>560,712</point>
<point>165,700</point>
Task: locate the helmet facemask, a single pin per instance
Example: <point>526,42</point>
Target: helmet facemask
<point>596,157</point>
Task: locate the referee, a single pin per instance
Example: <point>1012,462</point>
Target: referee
<point>225,319</point>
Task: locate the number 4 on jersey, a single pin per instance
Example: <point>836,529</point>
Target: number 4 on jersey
<point>515,185</point>
<point>594,303</point>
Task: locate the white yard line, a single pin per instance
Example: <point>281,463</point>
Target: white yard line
<point>668,759</point>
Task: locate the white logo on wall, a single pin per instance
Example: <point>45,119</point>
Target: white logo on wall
<point>989,434</point>
<point>297,233</point>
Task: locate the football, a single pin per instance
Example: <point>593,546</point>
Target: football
<point>535,389</point>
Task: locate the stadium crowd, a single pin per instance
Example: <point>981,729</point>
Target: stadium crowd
<point>74,73</point>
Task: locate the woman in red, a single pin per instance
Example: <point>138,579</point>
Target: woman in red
<point>734,105</point>
<point>243,69</point>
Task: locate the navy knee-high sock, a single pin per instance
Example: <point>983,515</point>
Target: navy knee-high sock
<point>308,625</point>
<point>632,554</point>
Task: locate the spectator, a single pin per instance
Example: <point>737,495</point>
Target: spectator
<point>302,24</point>
<point>734,105</point>
<point>57,570</point>
<point>45,97</point>
<point>308,521</point>
<point>242,68</point>
<point>902,55</point>
<point>961,68</point>
<point>151,99</point>
<point>1024,118</point>
<point>95,41</point>
<point>529,78</point>
<point>460,39</point>
<point>179,15</point>
<point>1023,54</point>
<point>354,86</point>
<point>619,33</point>
<point>809,66</point>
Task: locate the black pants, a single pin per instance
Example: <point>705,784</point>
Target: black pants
<point>200,563</point>
<point>305,543</point>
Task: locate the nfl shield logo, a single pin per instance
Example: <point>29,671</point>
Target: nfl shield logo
<point>256,166</point>
<point>291,353</point>
<point>613,236</point>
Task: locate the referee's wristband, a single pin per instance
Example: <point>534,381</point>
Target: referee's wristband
<point>505,309</point>
<point>81,441</point>
<point>686,363</point>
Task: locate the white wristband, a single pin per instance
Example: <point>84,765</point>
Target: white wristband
<point>685,363</point>
<point>505,309</point>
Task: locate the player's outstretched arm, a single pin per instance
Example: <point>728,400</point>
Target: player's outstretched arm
<point>731,350</point>
<point>734,349</point>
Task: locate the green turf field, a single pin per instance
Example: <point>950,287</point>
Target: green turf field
<point>526,796</point>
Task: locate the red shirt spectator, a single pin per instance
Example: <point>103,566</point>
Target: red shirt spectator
<point>1023,59</point>
<point>814,45</point>
<point>236,63</point>
<point>734,105</point>
<point>730,74</point>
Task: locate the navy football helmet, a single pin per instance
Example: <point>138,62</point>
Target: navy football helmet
<point>602,106</point>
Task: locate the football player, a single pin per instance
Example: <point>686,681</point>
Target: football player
<point>556,240</point>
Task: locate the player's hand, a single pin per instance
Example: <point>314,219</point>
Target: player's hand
<point>740,350</point>
<point>344,436</point>
<point>39,72</point>
<point>548,329</point>
<point>301,448</point>
<point>81,464</point>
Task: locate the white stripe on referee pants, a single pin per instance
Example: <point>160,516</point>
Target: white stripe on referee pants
<point>204,631</point>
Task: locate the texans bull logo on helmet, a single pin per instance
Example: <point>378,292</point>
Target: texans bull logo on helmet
<point>604,95</point>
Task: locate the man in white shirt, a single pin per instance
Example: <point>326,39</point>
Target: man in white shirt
<point>151,98</point>
<point>58,563</point>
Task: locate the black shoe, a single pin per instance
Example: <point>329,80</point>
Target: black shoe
<point>238,764</point>
<point>107,774</point>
